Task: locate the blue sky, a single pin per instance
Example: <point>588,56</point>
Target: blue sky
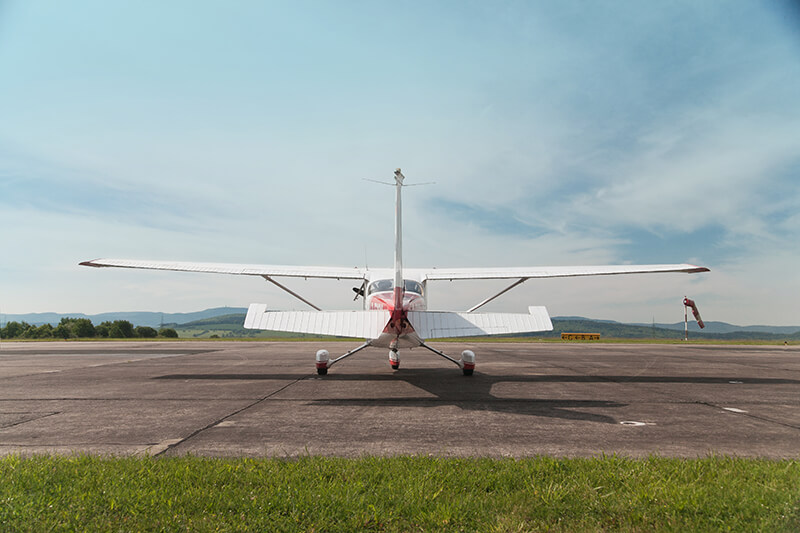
<point>557,133</point>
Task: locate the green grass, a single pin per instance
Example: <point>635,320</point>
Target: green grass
<point>87,493</point>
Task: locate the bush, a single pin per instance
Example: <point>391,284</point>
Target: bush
<point>61,331</point>
<point>121,329</point>
<point>13,330</point>
<point>82,328</point>
<point>70,328</point>
<point>168,333</point>
<point>45,331</point>
<point>101,330</point>
<point>146,332</point>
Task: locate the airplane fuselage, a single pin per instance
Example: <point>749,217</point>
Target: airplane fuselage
<point>384,296</point>
<point>381,295</point>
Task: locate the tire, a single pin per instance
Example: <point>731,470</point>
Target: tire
<point>468,371</point>
<point>322,371</point>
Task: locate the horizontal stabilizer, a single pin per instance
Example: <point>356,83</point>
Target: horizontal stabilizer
<point>359,324</point>
<point>438,324</point>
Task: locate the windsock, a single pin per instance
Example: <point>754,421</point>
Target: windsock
<point>690,303</point>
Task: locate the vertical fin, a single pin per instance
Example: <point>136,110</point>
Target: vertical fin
<point>399,288</point>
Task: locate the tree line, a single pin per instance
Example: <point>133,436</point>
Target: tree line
<point>82,328</point>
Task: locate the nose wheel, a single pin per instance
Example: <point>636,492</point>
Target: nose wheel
<point>394,359</point>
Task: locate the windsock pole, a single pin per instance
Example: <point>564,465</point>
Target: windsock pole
<point>696,312</point>
<point>685,321</point>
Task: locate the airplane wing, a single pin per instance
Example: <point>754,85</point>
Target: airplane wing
<point>359,324</point>
<point>439,324</point>
<point>230,268</point>
<point>359,273</point>
<point>451,274</point>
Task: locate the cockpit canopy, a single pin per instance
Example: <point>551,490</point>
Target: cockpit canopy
<point>387,285</point>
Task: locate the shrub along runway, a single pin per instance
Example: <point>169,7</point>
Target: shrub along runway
<point>525,399</point>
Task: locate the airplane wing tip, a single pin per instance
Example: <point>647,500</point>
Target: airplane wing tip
<point>90,263</point>
<point>698,269</point>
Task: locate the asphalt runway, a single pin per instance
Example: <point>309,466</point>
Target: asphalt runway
<point>525,399</point>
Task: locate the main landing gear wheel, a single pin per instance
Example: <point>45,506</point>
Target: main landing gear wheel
<point>322,359</point>
<point>468,362</point>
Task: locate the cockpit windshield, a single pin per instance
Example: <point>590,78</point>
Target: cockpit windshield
<point>386,285</point>
<point>413,286</point>
<point>382,285</point>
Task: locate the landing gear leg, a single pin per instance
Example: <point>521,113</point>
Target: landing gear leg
<point>466,363</point>
<point>324,361</point>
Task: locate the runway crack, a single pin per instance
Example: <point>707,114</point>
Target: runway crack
<point>178,442</point>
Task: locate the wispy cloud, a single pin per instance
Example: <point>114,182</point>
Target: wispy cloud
<point>567,133</point>
<point>31,185</point>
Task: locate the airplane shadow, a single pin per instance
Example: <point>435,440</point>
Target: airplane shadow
<point>448,387</point>
<point>445,387</point>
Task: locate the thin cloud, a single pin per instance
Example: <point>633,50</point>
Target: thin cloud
<point>566,133</point>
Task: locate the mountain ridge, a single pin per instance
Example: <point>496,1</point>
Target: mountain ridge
<point>714,329</point>
<point>137,318</point>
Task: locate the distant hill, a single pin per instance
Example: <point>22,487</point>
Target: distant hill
<point>137,318</point>
<point>713,330</point>
<point>227,322</point>
<point>724,327</point>
<point>231,326</point>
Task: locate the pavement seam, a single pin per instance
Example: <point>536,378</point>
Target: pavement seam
<point>45,415</point>
<point>750,415</point>
<point>218,421</point>
<point>100,365</point>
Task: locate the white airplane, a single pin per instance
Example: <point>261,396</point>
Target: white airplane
<point>395,313</point>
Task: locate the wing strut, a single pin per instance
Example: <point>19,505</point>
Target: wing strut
<point>489,299</point>
<point>442,354</point>
<point>351,352</point>
<point>287,289</point>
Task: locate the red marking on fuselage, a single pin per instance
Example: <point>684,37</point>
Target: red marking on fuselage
<point>379,303</point>
<point>398,318</point>
<point>398,322</point>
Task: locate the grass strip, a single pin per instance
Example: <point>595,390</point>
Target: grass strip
<point>89,493</point>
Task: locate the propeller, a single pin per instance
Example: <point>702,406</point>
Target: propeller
<point>360,290</point>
